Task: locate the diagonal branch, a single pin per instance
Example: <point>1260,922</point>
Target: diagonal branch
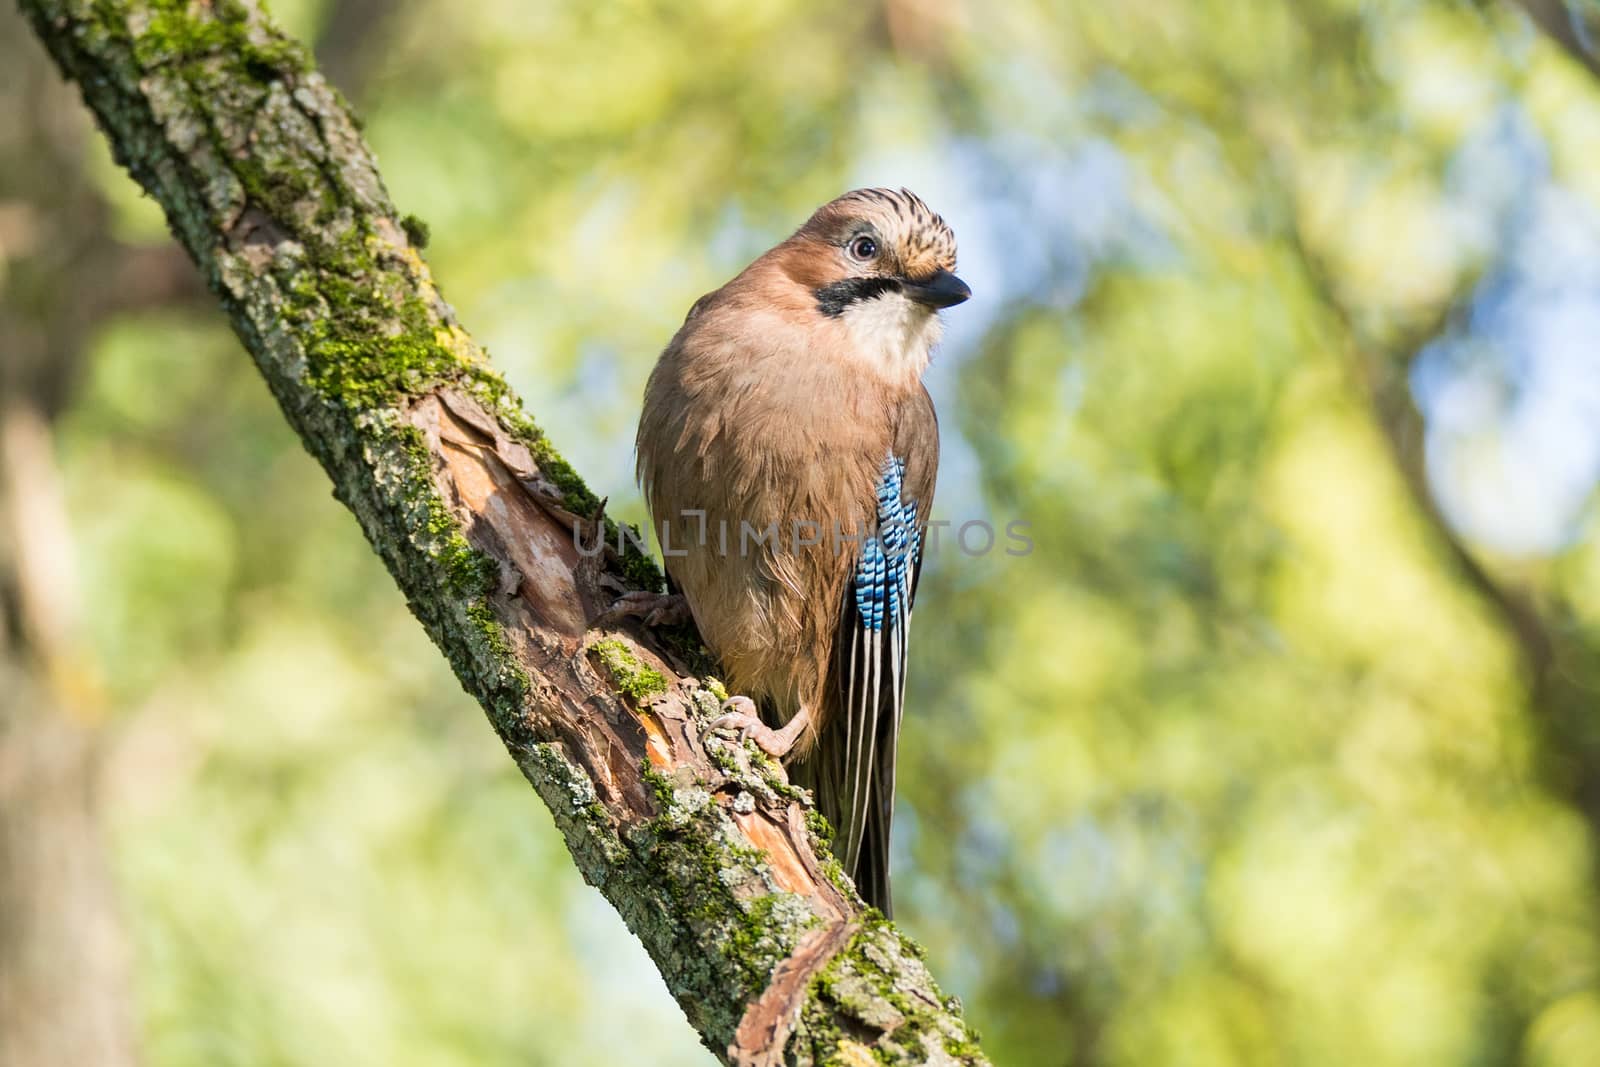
<point>1560,661</point>
<point>703,847</point>
<point>1573,24</point>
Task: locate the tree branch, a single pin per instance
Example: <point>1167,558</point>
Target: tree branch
<point>1573,24</point>
<point>1559,660</point>
<point>702,846</point>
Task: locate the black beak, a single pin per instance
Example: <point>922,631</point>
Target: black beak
<point>943,290</point>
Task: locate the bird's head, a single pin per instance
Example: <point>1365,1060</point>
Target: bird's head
<point>879,264</point>
<point>880,247</point>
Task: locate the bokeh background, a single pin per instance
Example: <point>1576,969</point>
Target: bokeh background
<point>1281,747</point>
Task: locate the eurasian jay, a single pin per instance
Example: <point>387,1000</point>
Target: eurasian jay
<point>787,450</point>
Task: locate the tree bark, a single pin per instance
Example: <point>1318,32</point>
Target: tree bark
<point>712,859</point>
<point>64,982</point>
<point>64,990</point>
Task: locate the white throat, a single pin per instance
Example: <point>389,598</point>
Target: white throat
<point>894,334</point>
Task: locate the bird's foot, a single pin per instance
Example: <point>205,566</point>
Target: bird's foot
<point>656,609</point>
<point>740,718</point>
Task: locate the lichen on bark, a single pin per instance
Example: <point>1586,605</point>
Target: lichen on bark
<point>712,859</point>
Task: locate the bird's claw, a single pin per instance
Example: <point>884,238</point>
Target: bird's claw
<point>740,718</point>
<point>655,609</point>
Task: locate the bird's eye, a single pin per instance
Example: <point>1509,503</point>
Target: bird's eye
<point>863,248</point>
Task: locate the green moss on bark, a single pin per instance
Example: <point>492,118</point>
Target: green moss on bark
<point>174,32</point>
<point>632,678</point>
<point>875,984</point>
<point>719,884</point>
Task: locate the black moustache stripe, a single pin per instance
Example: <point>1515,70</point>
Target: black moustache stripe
<point>833,299</point>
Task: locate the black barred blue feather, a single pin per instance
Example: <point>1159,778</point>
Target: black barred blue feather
<point>883,575</point>
<point>874,678</point>
<point>852,768</point>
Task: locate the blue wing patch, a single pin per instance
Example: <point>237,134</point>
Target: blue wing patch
<point>874,665</point>
<point>883,575</point>
<point>875,668</point>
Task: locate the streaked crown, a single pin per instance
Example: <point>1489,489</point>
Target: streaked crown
<point>914,238</point>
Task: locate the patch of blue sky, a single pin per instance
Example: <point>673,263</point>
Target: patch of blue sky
<point>1511,397</point>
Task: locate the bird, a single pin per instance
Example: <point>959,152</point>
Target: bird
<point>787,450</point>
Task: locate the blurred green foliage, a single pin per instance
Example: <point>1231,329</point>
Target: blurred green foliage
<point>1233,768</point>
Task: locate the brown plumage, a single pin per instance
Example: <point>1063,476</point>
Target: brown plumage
<point>791,400</point>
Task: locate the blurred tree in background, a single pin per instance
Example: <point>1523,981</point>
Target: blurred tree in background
<point>1279,747</point>
<point>64,992</point>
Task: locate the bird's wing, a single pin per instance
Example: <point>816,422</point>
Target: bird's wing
<point>853,768</point>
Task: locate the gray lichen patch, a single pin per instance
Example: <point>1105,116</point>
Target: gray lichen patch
<point>878,996</point>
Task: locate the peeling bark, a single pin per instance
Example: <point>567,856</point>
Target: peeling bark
<point>706,851</point>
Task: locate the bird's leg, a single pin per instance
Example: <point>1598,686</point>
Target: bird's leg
<point>656,609</point>
<point>739,716</point>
